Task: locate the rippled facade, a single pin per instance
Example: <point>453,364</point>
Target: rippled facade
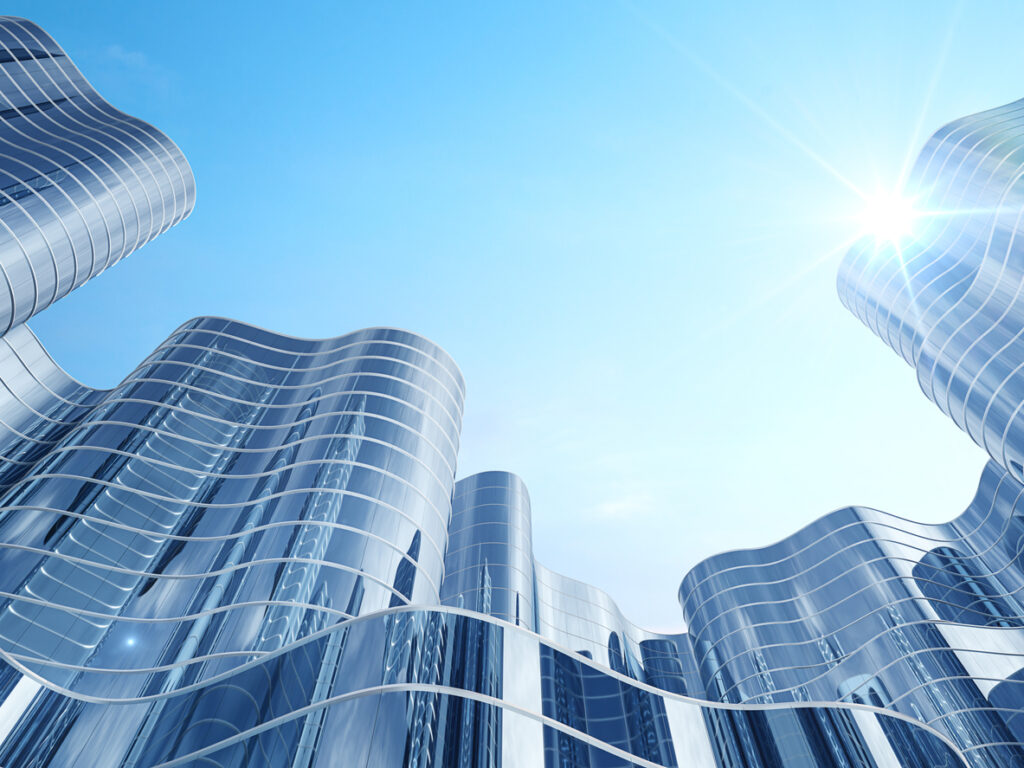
<point>948,299</point>
<point>254,550</point>
<point>82,185</point>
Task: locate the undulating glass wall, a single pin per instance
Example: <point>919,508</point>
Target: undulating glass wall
<point>254,552</point>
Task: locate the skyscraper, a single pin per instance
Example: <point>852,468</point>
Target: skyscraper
<point>81,184</point>
<point>948,300</point>
<point>254,551</point>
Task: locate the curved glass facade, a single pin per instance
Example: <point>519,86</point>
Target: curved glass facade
<point>254,552</point>
<point>866,607</point>
<point>948,298</point>
<point>82,185</point>
<point>442,686</point>
<point>239,556</point>
<point>489,563</point>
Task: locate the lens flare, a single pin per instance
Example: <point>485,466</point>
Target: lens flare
<point>888,217</point>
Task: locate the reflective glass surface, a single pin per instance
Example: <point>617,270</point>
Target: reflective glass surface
<point>254,552</point>
<point>948,297</point>
<point>415,687</point>
<point>82,185</point>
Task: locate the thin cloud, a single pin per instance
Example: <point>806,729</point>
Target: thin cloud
<point>122,55</point>
<point>626,508</point>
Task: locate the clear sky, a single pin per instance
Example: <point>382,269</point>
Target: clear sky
<point>622,219</point>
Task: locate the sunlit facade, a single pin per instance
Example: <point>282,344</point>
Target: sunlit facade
<point>82,185</point>
<point>254,550</point>
<point>947,296</point>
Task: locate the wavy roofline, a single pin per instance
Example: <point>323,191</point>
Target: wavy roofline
<point>707,562</point>
<point>444,355</point>
<point>890,519</point>
<point>71,61</point>
<point>60,368</point>
<point>704,563</point>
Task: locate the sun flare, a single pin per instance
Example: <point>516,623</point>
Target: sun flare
<point>888,217</point>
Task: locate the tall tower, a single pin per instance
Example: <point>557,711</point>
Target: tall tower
<point>82,185</point>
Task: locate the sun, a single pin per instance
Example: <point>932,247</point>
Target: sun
<point>888,217</point>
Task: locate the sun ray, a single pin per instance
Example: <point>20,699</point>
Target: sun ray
<point>711,73</point>
<point>915,137</point>
<point>787,282</point>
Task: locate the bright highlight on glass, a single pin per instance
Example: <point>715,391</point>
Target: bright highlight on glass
<point>888,217</point>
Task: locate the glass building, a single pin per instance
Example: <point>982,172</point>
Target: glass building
<point>82,185</point>
<point>254,550</point>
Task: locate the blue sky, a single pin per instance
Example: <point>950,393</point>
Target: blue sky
<point>622,219</point>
